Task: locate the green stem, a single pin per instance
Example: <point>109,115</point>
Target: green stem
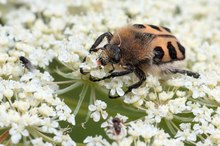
<point>25,141</point>
<point>190,142</point>
<point>36,134</point>
<point>62,82</point>
<point>81,98</point>
<point>170,126</point>
<point>92,99</point>
<point>65,75</point>
<point>183,119</point>
<point>203,102</point>
<point>202,138</point>
<point>71,87</point>
<point>10,104</point>
<point>174,125</point>
<point>209,102</point>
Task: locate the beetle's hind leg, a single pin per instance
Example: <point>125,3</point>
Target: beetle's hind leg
<point>185,72</point>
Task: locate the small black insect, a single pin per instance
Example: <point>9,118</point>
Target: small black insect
<point>26,63</point>
<point>117,125</point>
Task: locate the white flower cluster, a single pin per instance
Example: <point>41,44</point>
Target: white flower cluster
<point>29,108</point>
<point>177,97</point>
<point>140,132</point>
<point>174,109</point>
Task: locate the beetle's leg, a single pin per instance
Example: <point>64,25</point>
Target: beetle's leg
<point>113,68</point>
<point>186,72</point>
<point>108,35</point>
<point>142,77</point>
<point>113,74</point>
<point>81,69</point>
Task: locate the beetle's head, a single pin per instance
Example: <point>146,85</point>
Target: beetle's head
<point>110,54</point>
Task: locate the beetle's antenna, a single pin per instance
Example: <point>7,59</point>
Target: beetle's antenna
<point>119,39</point>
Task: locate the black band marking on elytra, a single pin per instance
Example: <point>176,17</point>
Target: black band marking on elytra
<point>159,53</point>
<point>139,26</point>
<point>181,48</point>
<point>167,29</point>
<point>155,27</point>
<point>172,50</point>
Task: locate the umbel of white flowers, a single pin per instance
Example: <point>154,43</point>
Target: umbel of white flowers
<point>177,110</point>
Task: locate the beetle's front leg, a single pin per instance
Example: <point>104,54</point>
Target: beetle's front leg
<point>113,74</point>
<point>108,35</point>
<point>81,69</point>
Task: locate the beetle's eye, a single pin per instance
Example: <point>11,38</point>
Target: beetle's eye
<point>117,58</point>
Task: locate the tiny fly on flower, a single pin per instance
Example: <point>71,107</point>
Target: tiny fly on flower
<point>26,63</point>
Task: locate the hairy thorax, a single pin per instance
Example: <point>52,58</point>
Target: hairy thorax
<point>134,47</point>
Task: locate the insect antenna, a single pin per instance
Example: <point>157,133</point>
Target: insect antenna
<point>119,39</point>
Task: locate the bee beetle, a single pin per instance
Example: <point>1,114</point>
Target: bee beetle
<point>139,48</point>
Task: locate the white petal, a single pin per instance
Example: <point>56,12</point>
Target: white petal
<point>103,105</point>
<point>112,92</point>
<point>25,133</point>
<point>87,139</point>
<point>95,116</point>
<point>92,107</point>
<point>71,119</point>
<point>105,124</point>
<point>104,114</point>
<point>15,138</point>
<point>120,91</point>
<point>55,124</point>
